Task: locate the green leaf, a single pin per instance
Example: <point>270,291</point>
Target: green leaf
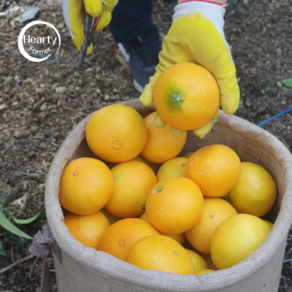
<point>5,223</point>
<point>2,251</point>
<point>287,82</point>
<point>14,238</point>
<point>22,221</point>
<point>41,216</point>
<point>240,104</point>
<point>29,13</point>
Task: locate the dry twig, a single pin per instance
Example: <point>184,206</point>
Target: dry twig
<point>16,263</point>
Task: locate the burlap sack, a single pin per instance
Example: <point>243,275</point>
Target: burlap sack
<point>85,269</point>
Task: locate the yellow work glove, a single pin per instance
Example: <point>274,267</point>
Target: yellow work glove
<point>74,12</point>
<point>196,35</point>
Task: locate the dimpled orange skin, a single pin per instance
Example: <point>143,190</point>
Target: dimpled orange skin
<point>120,236</point>
<point>236,238</point>
<point>85,186</point>
<point>172,168</point>
<point>87,229</point>
<point>174,205</point>
<point>180,238</point>
<point>215,211</point>
<point>215,169</point>
<point>116,133</point>
<point>161,145</point>
<point>186,96</point>
<point>159,252</point>
<point>132,183</point>
<point>256,191</point>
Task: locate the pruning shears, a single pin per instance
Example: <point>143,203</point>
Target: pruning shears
<point>89,28</point>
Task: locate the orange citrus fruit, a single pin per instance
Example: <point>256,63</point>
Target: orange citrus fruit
<point>144,217</point>
<point>255,192</point>
<point>87,229</point>
<point>172,168</point>
<point>110,217</point>
<point>161,145</point>
<point>198,262</point>
<point>150,164</point>
<point>174,205</point>
<point>215,211</point>
<point>188,154</point>
<point>186,96</point>
<point>159,252</point>
<point>120,236</point>
<point>132,183</point>
<point>271,225</point>
<point>180,238</point>
<point>85,186</point>
<point>206,271</point>
<point>236,238</point>
<point>116,133</point>
<point>215,169</point>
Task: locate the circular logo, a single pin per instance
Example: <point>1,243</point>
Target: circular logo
<point>32,41</point>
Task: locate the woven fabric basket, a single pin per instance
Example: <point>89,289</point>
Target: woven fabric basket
<point>85,269</point>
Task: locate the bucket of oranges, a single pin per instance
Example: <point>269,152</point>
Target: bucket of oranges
<point>135,208</point>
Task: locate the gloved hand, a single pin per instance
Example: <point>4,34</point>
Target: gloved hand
<point>74,12</point>
<point>196,35</point>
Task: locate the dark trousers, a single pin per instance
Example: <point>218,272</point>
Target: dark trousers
<point>130,18</point>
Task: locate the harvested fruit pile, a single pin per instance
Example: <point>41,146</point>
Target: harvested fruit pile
<point>196,214</point>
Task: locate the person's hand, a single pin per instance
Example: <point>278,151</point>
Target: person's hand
<point>196,35</point>
<point>74,12</point>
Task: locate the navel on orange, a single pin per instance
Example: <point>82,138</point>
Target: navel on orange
<point>85,186</point>
<point>116,133</point>
<point>120,236</point>
<point>159,252</point>
<point>186,96</point>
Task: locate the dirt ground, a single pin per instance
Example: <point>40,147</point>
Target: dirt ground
<point>41,103</point>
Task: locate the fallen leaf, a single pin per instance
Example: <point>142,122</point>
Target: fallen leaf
<point>29,13</point>
<point>287,82</point>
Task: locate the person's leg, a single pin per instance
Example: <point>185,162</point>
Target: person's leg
<point>137,38</point>
<point>130,18</point>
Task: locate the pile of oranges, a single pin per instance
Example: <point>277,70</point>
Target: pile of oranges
<point>142,204</point>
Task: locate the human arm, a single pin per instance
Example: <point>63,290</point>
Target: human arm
<point>196,35</point>
<point>74,12</point>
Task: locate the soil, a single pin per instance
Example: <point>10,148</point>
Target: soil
<point>40,103</point>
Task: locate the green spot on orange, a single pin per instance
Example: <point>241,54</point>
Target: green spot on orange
<point>159,189</point>
<point>174,99</point>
